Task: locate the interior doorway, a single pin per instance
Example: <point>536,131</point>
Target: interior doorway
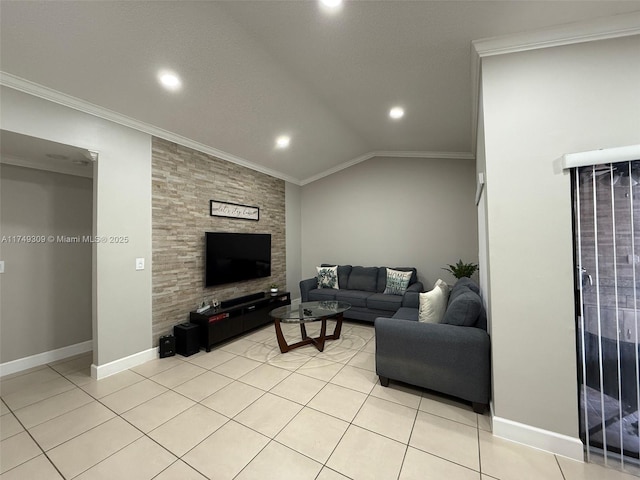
<point>46,224</point>
<point>606,201</point>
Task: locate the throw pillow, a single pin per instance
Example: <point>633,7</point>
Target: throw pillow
<point>397,282</point>
<point>467,282</point>
<point>433,304</point>
<point>328,277</point>
<point>363,278</point>
<point>464,310</point>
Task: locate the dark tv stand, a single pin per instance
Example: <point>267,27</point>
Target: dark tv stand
<point>237,316</point>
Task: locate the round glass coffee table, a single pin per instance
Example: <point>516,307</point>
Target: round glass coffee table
<point>309,312</point>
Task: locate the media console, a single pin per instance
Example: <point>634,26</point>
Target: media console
<point>237,316</point>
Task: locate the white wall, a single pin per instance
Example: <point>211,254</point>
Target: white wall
<point>293,227</point>
<point>483,237</point>
<point>122,203</point>
<point>392,212</point>
<point>539,105</point>
<point>46,288</point>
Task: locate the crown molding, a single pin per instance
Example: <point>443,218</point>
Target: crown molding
<point>589,31</point>
<point>394,154</point>
<point>433,155</point>
<point>606,28</point>
<point>336,169</point>
<point>26,86</point>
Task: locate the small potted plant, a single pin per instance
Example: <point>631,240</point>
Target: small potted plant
<point>274,288</point>
<point>460,269</point>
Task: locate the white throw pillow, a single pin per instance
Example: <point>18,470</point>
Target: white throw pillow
<point>328,277</point>
<point>433,304</point>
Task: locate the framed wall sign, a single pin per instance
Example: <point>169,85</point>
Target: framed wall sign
<point>233,210</point>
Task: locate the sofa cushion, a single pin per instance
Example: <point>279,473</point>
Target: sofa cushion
<point>382,276</point>
<point>433,303</point>
<point>381,301</point>
<point>397,282</point>
<point>363,278</point>
<point>327,277</point>
<point>356,298</point>
<point>343,273</point>
<point>322,294</point>
<point>464,310</point>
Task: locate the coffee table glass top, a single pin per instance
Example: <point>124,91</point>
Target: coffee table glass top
<point>309,311</point>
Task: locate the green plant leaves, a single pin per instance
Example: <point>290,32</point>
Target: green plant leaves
<point>461,269</point>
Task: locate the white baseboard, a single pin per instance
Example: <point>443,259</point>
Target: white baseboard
<point>43,358</point>
<point>546,440</point>
<point>99,372</point>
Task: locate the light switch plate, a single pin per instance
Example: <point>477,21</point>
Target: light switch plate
<point>139,263</point>
<point>1,266</point>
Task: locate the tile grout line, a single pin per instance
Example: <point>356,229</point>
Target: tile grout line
<point>11,412</point>
<point>117,415</point>
<point>413,426</point>
<point>271,439</point>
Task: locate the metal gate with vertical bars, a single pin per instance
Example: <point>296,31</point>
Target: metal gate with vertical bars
<point>607,246</point>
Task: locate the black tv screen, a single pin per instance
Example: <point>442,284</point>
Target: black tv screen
<point>233,257</point>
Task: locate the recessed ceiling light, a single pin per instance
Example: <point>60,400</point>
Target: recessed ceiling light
<point>169,80</point>
<point>331,4</point>
<point>283,141</point>
<point>396,112</point>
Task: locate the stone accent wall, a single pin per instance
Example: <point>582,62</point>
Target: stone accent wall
<point>184,180</point>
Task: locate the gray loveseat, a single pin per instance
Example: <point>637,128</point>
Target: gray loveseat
<point>363,288</point>
<point>452,358</point>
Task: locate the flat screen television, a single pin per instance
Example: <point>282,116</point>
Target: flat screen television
<point>234,257</point>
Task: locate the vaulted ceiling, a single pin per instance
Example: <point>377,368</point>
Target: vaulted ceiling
<point>254,70</point>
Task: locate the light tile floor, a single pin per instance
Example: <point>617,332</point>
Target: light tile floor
<point>246,411</point>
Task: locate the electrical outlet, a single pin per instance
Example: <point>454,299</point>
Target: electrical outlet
<point>1,266</point>
<point>139,263</point>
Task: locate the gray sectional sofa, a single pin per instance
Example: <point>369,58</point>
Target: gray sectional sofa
<point>363,288</point>
<point>452,358</point>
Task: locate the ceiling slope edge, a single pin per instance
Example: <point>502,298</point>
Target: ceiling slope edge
<point>395,154</point>
<point>46,93</point>
<point>623,25</point>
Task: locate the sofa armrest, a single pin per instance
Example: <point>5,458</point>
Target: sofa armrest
<point>447,358</point>
<point>306,286</point>
<point>411,297</point>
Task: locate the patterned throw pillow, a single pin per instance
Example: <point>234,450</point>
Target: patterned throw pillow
<point>328,277</point>
<point>397,282</point>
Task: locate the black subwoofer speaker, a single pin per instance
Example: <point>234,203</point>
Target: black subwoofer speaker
<point>186,338</point>
<point>167,346</point>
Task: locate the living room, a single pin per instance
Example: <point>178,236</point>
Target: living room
<point>536,106</point>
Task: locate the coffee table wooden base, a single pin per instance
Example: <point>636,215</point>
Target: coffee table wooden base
<point>318,342</point>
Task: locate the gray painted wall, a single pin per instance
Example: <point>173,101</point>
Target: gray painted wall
<point>122,207</point>
<point>392,212</point>
<point>539,105</point>
<point>46,287</point>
